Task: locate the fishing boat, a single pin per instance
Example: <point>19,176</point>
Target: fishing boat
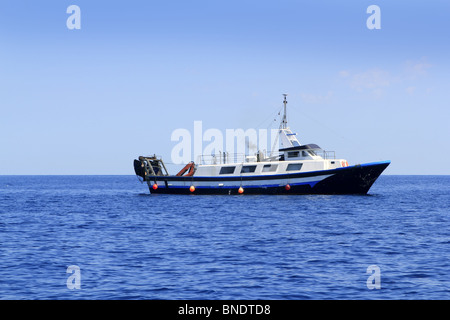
<point>295,169</point>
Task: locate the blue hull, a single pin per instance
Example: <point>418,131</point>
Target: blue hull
<point>347,180</point>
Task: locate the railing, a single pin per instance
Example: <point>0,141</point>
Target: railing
<point>327,154</point>
<point>226,157</point>
<point>221,158</point>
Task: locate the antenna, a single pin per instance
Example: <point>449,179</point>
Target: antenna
<point>284,122</point>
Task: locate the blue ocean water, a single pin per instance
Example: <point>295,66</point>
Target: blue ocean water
<point>129,244</point>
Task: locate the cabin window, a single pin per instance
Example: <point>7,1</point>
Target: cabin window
<point>227,170</point>
<point>304,154</point>
<point>293,154</point>
<point>294,166</point>
<point>270,168</point>
<point>248,169</point>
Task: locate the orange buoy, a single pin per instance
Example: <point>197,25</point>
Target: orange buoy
<point>192,189</point>
<point>241,190</point>
<point>287,187</point>
<point>155,186</point>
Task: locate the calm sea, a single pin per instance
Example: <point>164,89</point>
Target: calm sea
<point>129,244</point>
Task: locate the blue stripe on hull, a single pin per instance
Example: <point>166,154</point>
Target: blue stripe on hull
<point>347,180</point>
<point>310,183</point>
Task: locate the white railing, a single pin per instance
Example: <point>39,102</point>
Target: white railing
<point>327,154</point>
<point>221,158</point>
<point>226,157</point>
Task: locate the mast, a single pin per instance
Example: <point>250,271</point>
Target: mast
<point>284,122</point>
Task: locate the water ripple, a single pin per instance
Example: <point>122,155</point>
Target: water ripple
<point>132,245</point>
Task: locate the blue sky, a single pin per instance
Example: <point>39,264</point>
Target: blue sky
<point>89,101</point>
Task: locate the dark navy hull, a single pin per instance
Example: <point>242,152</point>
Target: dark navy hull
<point>347,180</point>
